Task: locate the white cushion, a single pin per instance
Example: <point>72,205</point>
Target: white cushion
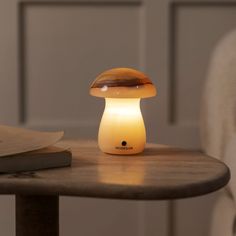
<point>223,216</point>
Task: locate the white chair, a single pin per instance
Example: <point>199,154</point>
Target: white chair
<point>218,128</point>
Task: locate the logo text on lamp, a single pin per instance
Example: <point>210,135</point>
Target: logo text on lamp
<point>122,130</point>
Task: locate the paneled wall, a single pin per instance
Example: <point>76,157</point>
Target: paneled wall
<point>51,51</point>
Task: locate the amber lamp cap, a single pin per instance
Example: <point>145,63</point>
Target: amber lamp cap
<point>122,83</point>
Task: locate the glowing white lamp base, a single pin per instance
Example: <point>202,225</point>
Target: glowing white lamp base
<point>122,130</point>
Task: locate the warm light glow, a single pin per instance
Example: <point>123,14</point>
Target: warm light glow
<point>122,129</point>
<point>128,172</point>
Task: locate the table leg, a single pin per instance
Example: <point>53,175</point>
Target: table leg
<point>37,215</point>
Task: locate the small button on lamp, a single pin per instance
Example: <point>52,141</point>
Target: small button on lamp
<point>122,130</point>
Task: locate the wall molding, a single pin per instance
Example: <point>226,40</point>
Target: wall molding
<point>22,4</point>
<point>172,12</point>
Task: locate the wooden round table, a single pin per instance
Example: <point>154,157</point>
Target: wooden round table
<point>159,173</point>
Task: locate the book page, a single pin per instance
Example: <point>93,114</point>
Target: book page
<point>15,140</point>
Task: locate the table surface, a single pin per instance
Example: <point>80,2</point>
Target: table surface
<point>160,172</point>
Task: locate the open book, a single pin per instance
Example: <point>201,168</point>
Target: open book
<point>28,150</point>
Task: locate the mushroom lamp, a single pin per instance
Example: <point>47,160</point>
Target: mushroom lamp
<point>122,130</point>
